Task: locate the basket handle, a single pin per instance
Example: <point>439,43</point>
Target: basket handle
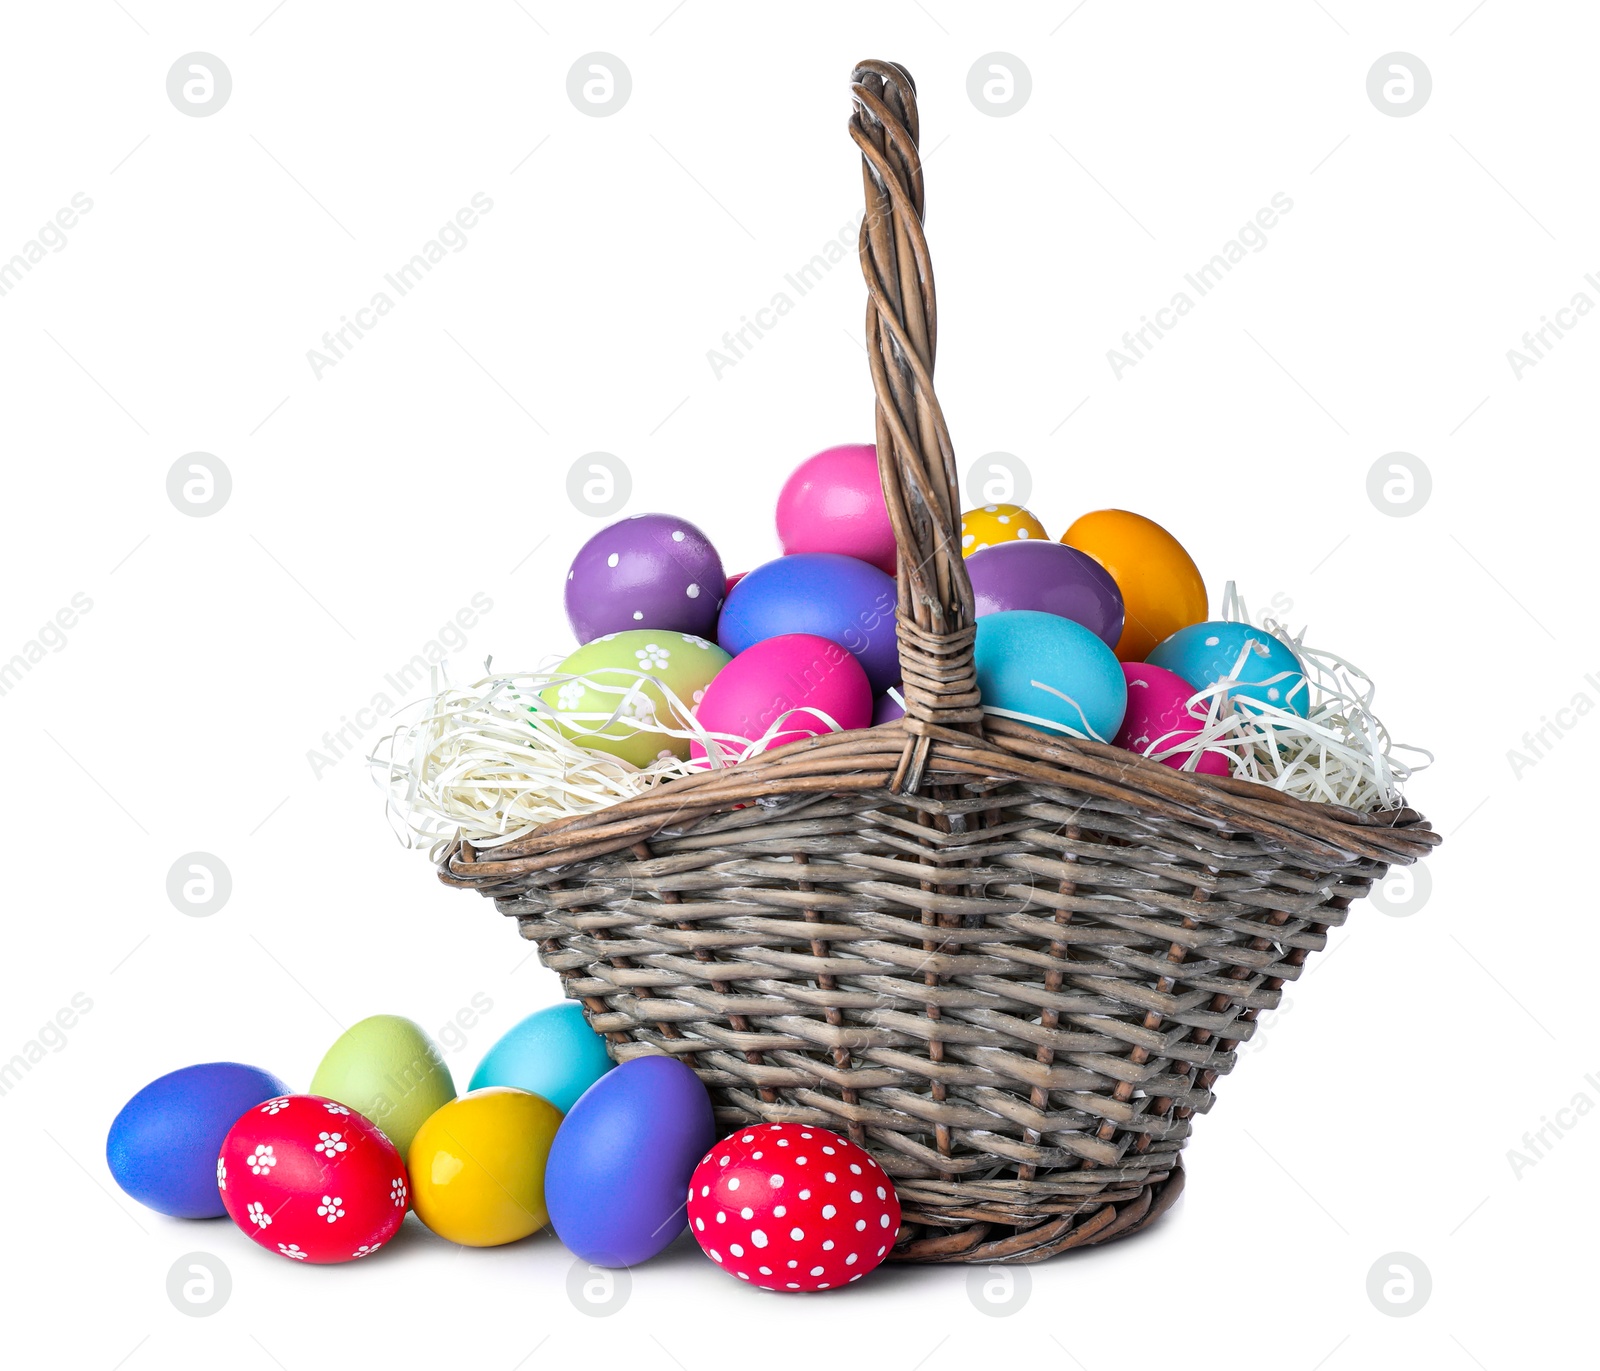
<point>915,460</point>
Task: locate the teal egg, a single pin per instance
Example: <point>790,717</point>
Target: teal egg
<point>1204,654</point>
<point>553,1053</point>
<point>1049,668</point>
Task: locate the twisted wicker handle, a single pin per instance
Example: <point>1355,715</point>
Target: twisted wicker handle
<point>915,459</point>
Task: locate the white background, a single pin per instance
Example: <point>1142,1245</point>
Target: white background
<point>1374,1115</point>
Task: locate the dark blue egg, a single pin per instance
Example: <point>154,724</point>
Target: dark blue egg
<point>842,599</point>
<point>162,1148</point>
<point>620,1165</point>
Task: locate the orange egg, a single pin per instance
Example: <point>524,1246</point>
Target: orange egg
<point>990,524</point>
<point>1162,590</point>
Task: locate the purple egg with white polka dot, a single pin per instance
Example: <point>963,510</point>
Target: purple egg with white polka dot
<point>650,571</point>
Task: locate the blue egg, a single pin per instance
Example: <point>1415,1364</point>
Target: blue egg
<point>162,1148</point>
<point>553,1053</point>
<point>1045,667</point>
<point>1204,654</point>
<point>843,599</point>
<point>620,1165</point>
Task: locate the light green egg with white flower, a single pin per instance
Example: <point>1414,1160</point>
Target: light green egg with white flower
<point>610,672</point>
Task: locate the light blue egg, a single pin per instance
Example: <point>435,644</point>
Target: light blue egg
<point>1049,668</point>
<point>553,1053</point>
<point>1204,654</point>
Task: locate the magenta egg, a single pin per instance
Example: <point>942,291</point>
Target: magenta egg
<point>1050,578</point>
<point>833,502</point>
<point>650,571</point>
<point>1158,717</point>
<point>792,672</point>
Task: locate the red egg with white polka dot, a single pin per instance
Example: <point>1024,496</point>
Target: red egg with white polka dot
<point>791,1207</point>
<point>312,1180</point>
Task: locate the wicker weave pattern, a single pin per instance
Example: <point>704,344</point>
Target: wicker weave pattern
<point>1012,965</point>
<point>1017,1006</point>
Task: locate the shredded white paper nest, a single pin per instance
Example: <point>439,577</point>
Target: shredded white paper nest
<point>492,761</point>
<point>1339,753</point>
<point>478,762</point>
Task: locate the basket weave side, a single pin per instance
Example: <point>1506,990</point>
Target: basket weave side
<point>1012,965</point>
<point>1015,989</point>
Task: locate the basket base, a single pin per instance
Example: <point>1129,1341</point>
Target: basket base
<point>994,1244</point>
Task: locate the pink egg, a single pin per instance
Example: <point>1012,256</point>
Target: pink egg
<point>777,675</point>
<point>834,503</point>
<point>1158,717</point>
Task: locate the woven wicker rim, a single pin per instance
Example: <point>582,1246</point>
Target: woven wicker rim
<point>875,759</point>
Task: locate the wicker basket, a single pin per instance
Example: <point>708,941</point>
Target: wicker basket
<point>1011,964</point>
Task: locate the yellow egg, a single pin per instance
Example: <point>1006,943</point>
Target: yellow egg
<point>991,524</point>
<point>477,1166</point>
<point>1162,589</point>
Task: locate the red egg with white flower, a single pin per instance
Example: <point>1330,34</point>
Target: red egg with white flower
<point>311,1179</point>
<point>792,1207</point>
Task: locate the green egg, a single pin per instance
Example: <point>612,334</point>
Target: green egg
<point>387,1068</point>
<point>683,663</point>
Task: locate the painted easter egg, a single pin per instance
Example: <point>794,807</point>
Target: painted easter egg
<point>312,1180</point>
<point>649,571</point>
<point>162,1147</point>
<point>1265,668</point>
<point>833,502</point>
<point>1162,590</point>
<point>1158,719</point>
<point>552,1052</point>
<point>622,1161</point>
<point>609,681</point>
<point>478,1166</point>
<point>777,677</point>
<point>387,1068</point>
<point>1049,672</point>
<point>843,599</point>
<point>791,1207</point>
<point>990,525</point>
<point>1048,577</point>
<point>885,709</point>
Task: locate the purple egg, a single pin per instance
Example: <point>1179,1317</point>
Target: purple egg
<point>650,571</point>
<point>621,1161</point>
<point>843,599</point>
<point>886,708</point>
<point>1051,579</point>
